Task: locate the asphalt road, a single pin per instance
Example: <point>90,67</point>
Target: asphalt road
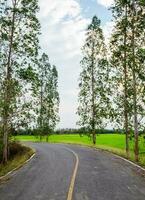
<point>100,176</point>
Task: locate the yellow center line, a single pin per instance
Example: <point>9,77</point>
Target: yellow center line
<point>71,187</point>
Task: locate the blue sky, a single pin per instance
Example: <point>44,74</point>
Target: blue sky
<point>91,7</point>
<point>63,25</point>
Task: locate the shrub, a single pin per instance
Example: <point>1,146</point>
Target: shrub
<point>15,148</point>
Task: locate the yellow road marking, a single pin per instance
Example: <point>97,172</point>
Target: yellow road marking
<point>71,187</point>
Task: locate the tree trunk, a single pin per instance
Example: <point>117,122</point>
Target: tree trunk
<point>5,140</point>
<point>41,105</point>
<point>47,137</point>
<point>126,88</point>
<point>94,137</point>
<point>136,147</point>
<point>7,97</point>
<point>93,98</point>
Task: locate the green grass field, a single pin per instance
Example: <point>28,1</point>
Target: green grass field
<point>111,142</point>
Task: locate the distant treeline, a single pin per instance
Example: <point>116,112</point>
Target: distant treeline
<point>67,131</point>
<point>83,131</point>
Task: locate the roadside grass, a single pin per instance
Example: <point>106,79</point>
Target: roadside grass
<point>16,161</point>
<point>114,143</point>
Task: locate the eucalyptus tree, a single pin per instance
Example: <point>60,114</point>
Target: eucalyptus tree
<point>55,98</point>
<point>48,105</point>
<point>119,61</point>
<point>127,46</point>
<point>19,47</point>
<point>93,95</point>
<point>137,41</point>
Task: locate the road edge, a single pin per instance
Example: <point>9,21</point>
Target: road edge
<point>20,166</point>
<point>101,149</point>
<point>130,162</point>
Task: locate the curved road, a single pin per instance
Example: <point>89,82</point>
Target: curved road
<point>100,176</point>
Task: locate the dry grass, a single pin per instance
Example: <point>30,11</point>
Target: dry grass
<point>17,159</point>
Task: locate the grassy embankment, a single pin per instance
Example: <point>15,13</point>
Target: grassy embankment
<point>18,155</point>
<point>111,142</point>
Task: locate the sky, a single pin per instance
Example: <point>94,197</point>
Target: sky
<point>63,25</point>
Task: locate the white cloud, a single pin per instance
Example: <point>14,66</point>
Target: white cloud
<point>62,26</point>
<point>57,10</point>
<point>106,3</point>
<point>107,30</point>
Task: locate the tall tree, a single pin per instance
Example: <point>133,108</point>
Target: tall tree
<point>137,41</point>
<point>49,97</point>
<point>127,45</point>
<point>119,60</point>
<point>19,46</point>
<point>93,80</point>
